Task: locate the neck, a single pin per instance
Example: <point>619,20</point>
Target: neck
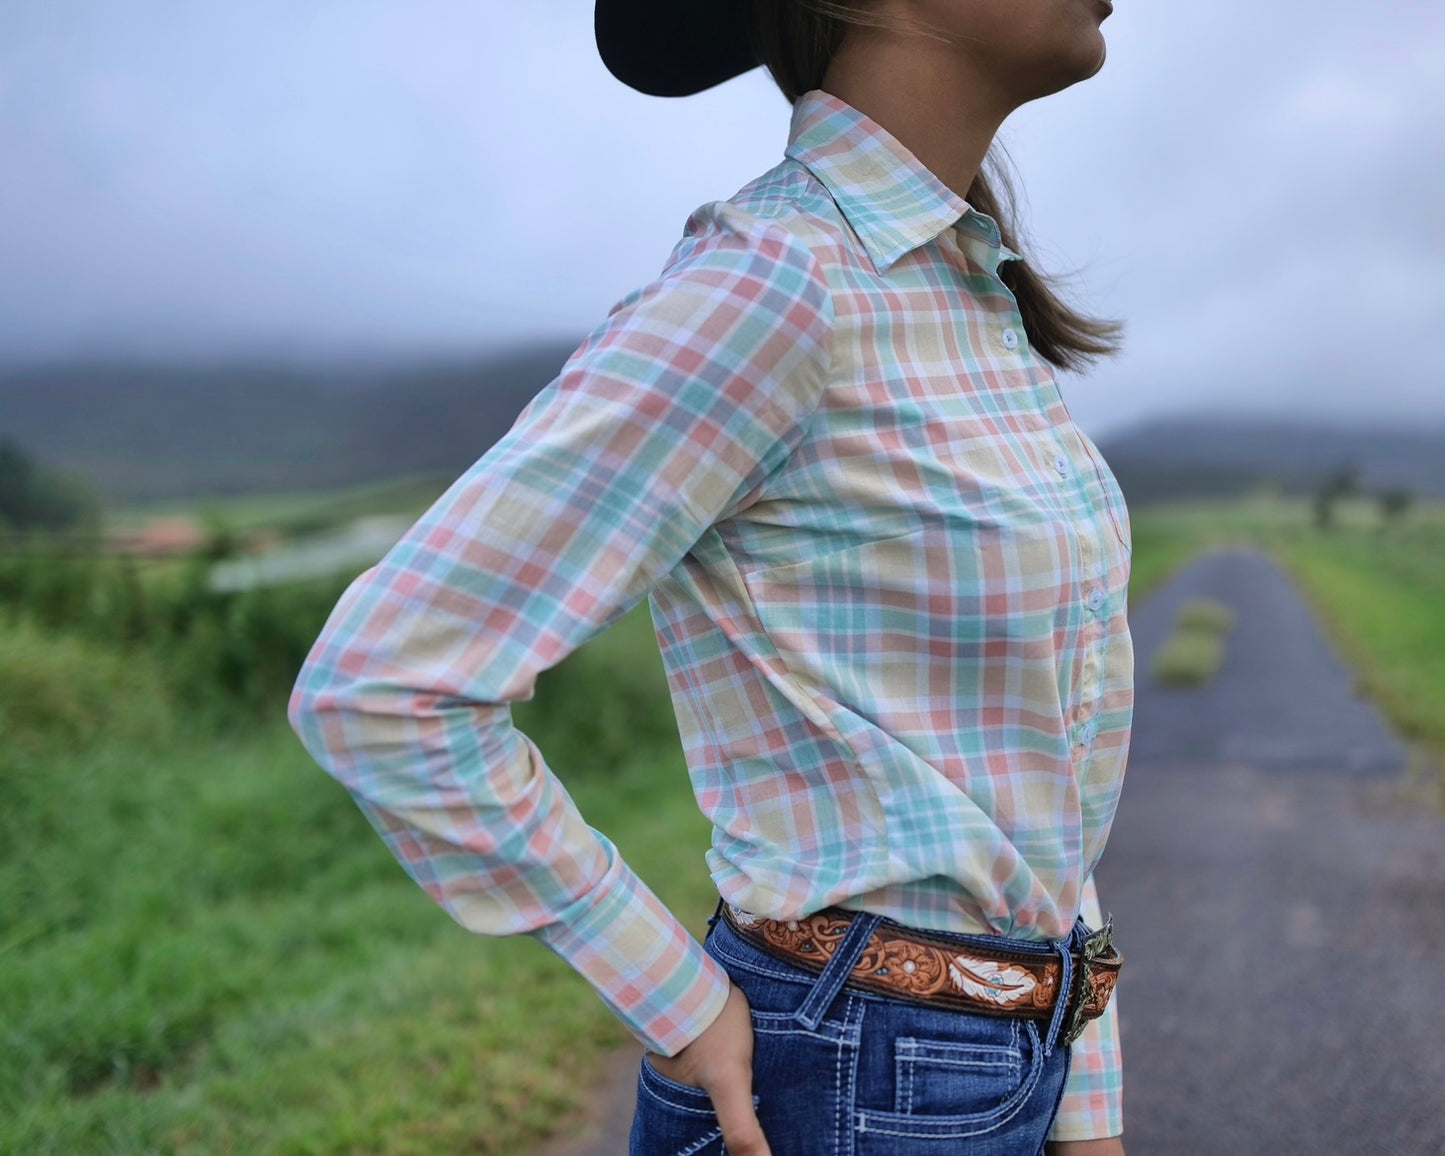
<point>944,114</point>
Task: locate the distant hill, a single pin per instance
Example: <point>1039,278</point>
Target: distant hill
<point>145,433</point>
<point>1208,455</point>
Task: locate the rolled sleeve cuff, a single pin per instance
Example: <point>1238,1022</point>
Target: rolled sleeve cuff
<point>646,966</point>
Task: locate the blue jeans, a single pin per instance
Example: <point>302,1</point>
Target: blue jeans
<point>842,1072</point>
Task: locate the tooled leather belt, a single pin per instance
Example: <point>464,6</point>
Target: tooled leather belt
<point>912,964</point>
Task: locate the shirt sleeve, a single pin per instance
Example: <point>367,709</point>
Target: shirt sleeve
<point>669,417</point>
<point>1093,1103</point>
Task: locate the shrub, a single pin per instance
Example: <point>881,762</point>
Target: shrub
<point>1192,654</point>
<point>58,689</point>
<point>1205,616</point>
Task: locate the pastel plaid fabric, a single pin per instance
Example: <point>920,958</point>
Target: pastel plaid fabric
<point>888,576</point>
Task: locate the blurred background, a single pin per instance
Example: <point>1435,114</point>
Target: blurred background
<point>272,275</point>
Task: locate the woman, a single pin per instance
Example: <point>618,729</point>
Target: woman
<point>888,575</point>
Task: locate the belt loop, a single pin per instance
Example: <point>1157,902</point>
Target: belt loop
<point>826,987</point>
<point>1065,948</point>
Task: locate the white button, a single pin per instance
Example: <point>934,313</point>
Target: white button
<point>1061,464</point>
<point>1096,598</point>
<point>1010,339</point>
<point>1090,730</point>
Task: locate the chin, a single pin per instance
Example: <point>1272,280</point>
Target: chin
<point>1084,66</point>
<point>1099,64</point>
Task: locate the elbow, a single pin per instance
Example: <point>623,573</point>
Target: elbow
<point>352,705</point>
<point>393,742</point>
<point>330,715</point>
<point>391,722</point>
<point>302,710</point>
<point>317,711</point>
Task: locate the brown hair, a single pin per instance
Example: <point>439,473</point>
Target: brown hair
<point>797,39</point>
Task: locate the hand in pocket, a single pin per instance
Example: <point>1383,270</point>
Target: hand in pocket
<point>720,1061</point>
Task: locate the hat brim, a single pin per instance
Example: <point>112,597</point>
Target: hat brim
<point>673,47</point>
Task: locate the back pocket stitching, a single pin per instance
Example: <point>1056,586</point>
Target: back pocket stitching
<point>715,1134</point>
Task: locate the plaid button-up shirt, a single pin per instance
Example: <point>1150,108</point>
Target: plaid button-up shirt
<point>888,576</point>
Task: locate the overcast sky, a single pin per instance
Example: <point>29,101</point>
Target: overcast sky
<point>1256,186</point>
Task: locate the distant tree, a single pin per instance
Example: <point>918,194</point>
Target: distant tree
<point>1342,483</point>
<point>16,485</point>
<point>32,498</point>
<point>1394,501</point>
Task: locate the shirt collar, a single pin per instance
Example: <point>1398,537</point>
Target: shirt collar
<point>889,198</point>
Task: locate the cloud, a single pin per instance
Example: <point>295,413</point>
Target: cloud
<point>1254,185</point>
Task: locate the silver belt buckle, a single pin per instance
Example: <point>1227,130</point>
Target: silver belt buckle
<point>1095,944</point>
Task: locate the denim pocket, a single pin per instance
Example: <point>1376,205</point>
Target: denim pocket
<point>879,1076</point>
<point>948,1090</point>
<point>672,1119</point>
<point>935,1076</point>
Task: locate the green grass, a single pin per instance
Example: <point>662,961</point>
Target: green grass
<point>205,948</point>
<point>265,979</point>
<point>1194,650</point>
<point>1381,597</point>
<point>1205,616</point>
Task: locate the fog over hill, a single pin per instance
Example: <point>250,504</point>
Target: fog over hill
<point>143,433</point>
<point>1211,454</point>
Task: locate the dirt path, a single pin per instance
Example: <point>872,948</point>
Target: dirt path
<point>1280,903</point>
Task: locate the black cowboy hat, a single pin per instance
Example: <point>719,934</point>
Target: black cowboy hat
<point>673,47</point>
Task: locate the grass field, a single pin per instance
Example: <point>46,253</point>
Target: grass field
<point>205,949</point>
<point>1382,600</point>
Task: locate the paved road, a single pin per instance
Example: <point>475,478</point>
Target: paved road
<point>1280,903</point>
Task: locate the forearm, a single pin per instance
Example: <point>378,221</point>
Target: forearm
<point>639,959</point>
<point>511,854</point>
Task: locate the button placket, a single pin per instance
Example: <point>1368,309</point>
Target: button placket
<point>1095,463</point>
<point>1091,630</point>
